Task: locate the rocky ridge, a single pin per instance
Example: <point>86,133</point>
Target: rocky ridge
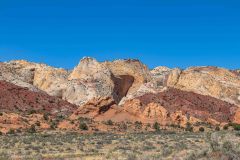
<point>120,91</point>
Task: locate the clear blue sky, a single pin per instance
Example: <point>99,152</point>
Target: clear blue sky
<point>174,33</point>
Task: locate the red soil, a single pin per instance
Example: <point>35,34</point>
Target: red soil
<point>199,106</point>
<point>21,100</point>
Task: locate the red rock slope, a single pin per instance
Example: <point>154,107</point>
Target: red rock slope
<point>20,100</point>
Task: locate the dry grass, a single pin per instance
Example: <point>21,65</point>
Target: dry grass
<point>143,146</point>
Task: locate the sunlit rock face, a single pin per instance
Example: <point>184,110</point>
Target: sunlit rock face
<point>121,79</point>
<point>216,82</point>
<point>88,79</point>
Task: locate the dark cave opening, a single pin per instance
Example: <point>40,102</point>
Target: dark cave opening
<point>122,84</point>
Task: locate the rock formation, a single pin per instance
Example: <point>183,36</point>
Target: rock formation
<point>171,106</point>
<point>15,99</point>
<point>121,91</point>
<point>216,82</point>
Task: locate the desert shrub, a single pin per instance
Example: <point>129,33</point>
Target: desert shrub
<point>54,124</point>
<point>59,118</point>
<point>32,111</point>
<point>83,126</point>
<point>201,129</point>
<point>1,133</point>
<point>189,127</point>
<point>123,126</point>
<point>32,129</point>
<point>109,122</point>
<point>156,126</point>
<point>46,116</point>
<point>227,146</point>
<point>217,128</point>
<point>18,131</point>
<point>38,123</point>
<point>225,127</point>
<point>132,156</point>
<point>83,119</point>
<point>11,131</point>
<point>138,125</point>
<point>236,127</point>
<point>1,114</point>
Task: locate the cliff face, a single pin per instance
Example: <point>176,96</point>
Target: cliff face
<point>122,90</point>
<point>88,80</point>
<point>216,82</point>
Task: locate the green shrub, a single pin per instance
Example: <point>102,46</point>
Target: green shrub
<point>46,116</point>
<point>83,126</point>
<point>201,129</point>
<point>54,124</point>
<point>156,126</point>
<point>189,127</point>
<point>138,125</point>
<point>236,127</point>
<point>32,111</point>
<point>11,131</point>
<point>32,129</point>
<point>38,123</point>
<point>1,114</point>
<point>217,128</point>
<point>109,122</point>
<point>225,127</point>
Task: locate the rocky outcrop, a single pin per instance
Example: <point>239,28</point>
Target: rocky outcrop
<point>160,74</point>
<point>216,82</point>
<point>15,73</point>
<point>128,76</point>
<point>171,106</point>
<point>93,108</point>
<point>88,80</point>
<point>15,99</point>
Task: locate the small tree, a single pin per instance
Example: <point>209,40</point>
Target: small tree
<point>83,126</point>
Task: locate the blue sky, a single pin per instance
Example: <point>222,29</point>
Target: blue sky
<point>172,33</point>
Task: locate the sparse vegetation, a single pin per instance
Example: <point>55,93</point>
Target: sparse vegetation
<point>11,131</point>
<point>138,125</point>
<point>189,127</point>
<point>109,122</point>
<point>225,127</point>
<point>149,145</point>
<point>32,129</point>
<point>156,126</point>
<point>32,111</point>
<point>201,129</point>
<point>46,116</point>
<point>217,128</point>
<point>83,126</point>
